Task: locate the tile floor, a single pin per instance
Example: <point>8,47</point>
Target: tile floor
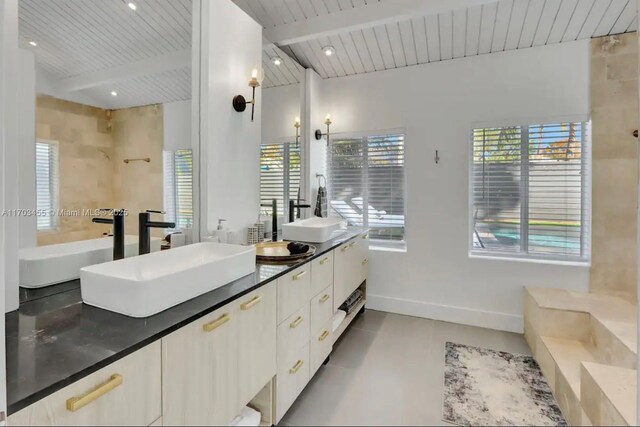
<point>388,370</point>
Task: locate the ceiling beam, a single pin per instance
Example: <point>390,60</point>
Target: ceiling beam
<point>362,17</point>
<point>145,67</point>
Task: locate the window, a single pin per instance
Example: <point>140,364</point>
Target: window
<point>279,175</point>
<point>46,184</point>
<point>366,184</point>
<point>531,191</point>
<point>178,187</point>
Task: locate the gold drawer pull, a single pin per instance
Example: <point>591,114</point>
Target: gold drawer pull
<point>351,244</point>
<point>208,327</point>
<point>296,322</point>
<point>324,261</point>
<point>344,248</point>
<point>296,367</point>
<point>247,305</point>
<point>324,298</point>
<point>76,403</point>
<point>365,237</point>
<point>365,261</point>
<point>300,275</point>
<point>324,336</point>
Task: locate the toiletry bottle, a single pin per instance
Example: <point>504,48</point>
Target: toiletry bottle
<point>221,231</point>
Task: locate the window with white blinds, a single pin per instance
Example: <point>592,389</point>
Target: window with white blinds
<point>279,175</point>
<point>366,184</point>
<point>178,187</point>
<point>47,184</point>
<point>531,191</point>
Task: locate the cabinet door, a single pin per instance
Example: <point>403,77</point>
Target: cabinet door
<point>343,275</point>
<point>127,392</point>
<point>256,341</point>
<point>363,257</point>
<point>294,291</point>
<point>199,365</point>
<point>291,381</point>
<point>321,273</point>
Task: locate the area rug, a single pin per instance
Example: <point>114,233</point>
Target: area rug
<point>487,388</point>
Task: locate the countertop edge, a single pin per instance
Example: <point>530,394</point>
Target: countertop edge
<point>23,403</point>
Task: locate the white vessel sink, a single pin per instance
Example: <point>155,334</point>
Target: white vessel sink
<point>314,230</point>
<point>47,265</point>
<point>145,285</point>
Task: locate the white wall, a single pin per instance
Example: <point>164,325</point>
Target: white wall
<point>437,104</point>
<point>177,125</point>
<point>280,107</point>
<point>26,106</point>
<point>229,141</point>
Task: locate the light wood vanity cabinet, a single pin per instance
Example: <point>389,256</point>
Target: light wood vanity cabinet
<point>127,392</point>
<point>213,367</point>
<point>351,268</point>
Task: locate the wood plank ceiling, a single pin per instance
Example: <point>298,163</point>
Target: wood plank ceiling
<point>492,27</point>
<point>80,37</point>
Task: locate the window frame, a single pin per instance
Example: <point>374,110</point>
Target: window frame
<point>586,194</point>
<point>286,175</point>
<point>375,244</point>
<point>174,181</point>
<point>54,224</point>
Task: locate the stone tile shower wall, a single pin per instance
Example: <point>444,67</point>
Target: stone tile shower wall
<point>614,109</point>
<point>93,144</point>
<point>86,164</point>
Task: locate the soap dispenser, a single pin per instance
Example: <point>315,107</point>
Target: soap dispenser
<point>221,231</point>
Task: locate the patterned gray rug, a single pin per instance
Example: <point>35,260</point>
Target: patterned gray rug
<point>487,388</point>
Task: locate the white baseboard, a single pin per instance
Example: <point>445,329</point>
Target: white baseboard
<point>447,313</point>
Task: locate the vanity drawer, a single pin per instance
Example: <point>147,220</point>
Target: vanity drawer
<point>291,380</point>
<point>321,273</point>
<point>127,392</point>
<point>320,346</point>
<point>294,291</point>
<point>293,334</point>
<point>321,308</point>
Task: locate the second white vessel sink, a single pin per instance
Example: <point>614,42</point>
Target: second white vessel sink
<point>148,284</point>
<point>314,230</point>
<point>47,265</point>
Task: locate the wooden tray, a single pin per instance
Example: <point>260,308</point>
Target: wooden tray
<point>277,252</point>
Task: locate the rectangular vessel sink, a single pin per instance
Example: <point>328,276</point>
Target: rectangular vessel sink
<point>47,265</point>
<point>145,285</point>
<point>314,230</point>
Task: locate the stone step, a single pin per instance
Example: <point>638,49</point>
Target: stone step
<point>609,394</point>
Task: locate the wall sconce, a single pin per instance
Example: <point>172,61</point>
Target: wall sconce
<point>319,134</point>
<point>297,125</point>
<point>240,103</point>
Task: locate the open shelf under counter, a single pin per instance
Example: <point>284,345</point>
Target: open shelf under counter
<point>347,321</point>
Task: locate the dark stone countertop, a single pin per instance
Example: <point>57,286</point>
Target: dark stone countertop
<point>56,340</point>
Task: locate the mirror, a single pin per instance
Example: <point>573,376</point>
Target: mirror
<point>112,132</point>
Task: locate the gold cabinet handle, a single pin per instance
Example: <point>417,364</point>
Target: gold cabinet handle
<point>248,305</point>
<point>324,298</point>
<point>324,261</point>
<point>208,327</point>
<point>296,367</point>
<point>351,244</point>
<point>76,403</point>
<point>324,336</point>
<point>365,237</point>
<point>300,275</point>
<point>365,261</point>
<point>296,322</point>
<point>344,248</point>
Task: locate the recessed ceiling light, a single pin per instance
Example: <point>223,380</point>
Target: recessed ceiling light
<point>114,93</point>
<point>32,43</point>
<point>132,5</point>
<point>276,60</point>
<point>329,50</point>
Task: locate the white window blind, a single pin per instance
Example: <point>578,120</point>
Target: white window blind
<point>178,187</point>
<point>279,175</point>
<point>366,184</point>
<point>531,191</point>
<point>47,184</point>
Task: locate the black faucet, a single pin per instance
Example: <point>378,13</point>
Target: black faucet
<point>292,207</point>
<point>118,230</point>
<point>274,218</point>
<point>144,232</point>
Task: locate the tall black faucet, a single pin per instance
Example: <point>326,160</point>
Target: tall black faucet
<point>118,230</point>
<point>274,218</point>
<point>144,232</point>
<point>292,207</point>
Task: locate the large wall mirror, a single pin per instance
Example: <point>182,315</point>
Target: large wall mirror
<point>111,133</point>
